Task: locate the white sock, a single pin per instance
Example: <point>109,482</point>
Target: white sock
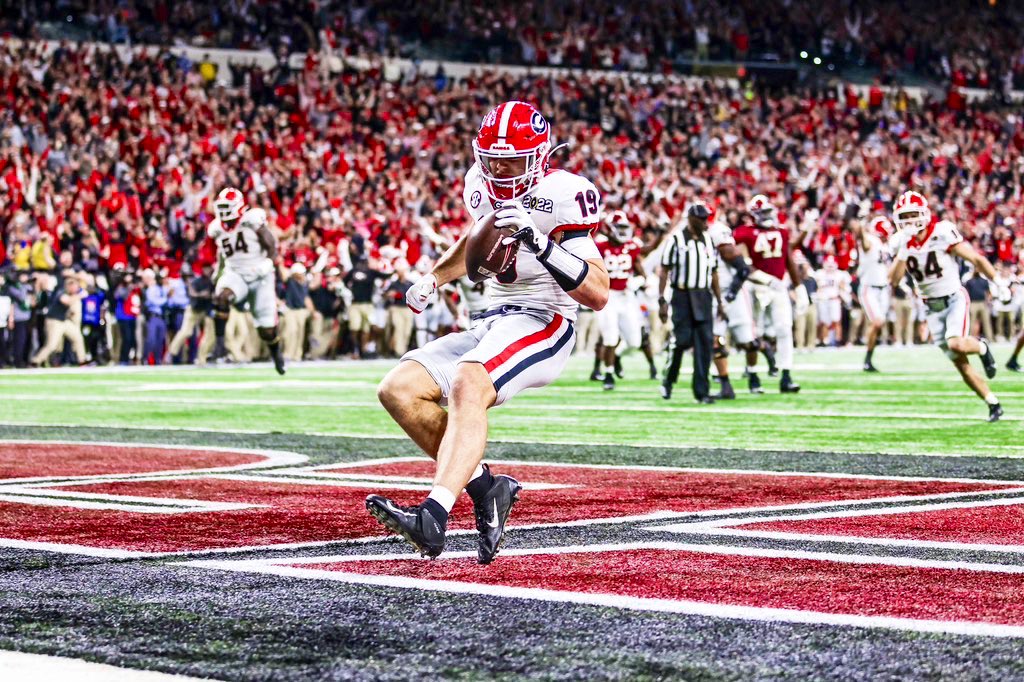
<point>752,368</point>
<point>608,369</point>
<point>991,399</point>
<point>443,496</point>
<point>477,473</point>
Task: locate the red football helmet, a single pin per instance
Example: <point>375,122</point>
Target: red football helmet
<point>513,130</point>
<point>911,212</point>
<point>229,204</point>
<point>830,263</point>
<point>620,227</point>
<point>762,210</point>
<point>881,226</point>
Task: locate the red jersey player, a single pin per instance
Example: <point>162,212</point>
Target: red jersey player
<point>620,318</point>
<point>767,244</point>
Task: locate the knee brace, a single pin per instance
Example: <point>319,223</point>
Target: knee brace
<point>721,348</point>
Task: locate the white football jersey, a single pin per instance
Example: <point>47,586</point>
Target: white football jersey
<point>240,247</point>
<point>476,295</point>
<point>831,285</point>
<point>874,262</point>
<point>559,201</point>
<point>935,272</point>
<point>721,234</point>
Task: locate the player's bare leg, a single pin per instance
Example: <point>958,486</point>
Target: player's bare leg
<point>978,385</point>
<point>411,397</point>
<point>645,346</point>
<point>273,341</point>
<point>222,309</point>
<point>1013,365</point>
<point>873,333</point>
<point>462,447</point>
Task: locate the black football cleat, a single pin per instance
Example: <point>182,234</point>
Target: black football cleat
<point>595,375</point>
<point>769,356</point>
<point>654,372</point>
<point>706,400</point>
<point>1014,366</point>
<point>787,385</point>
<point>415,524</point>
<point>727,392</point>
<point>995,412</point>
<point>279,364</point>
<point>868,367</point>
<point>492,515</point>
<point>666,390</point>
<point>609,382</point>
<point>988,362</point>
<point>618,367</point>
<point>754,382</point>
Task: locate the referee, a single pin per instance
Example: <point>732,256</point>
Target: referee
<point>688,265</point>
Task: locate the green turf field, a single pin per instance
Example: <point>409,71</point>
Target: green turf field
<point>918,405</point>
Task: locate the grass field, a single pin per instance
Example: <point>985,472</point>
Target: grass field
<point>209,522</point>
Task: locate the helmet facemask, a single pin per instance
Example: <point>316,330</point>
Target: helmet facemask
<point>912,219</point>
<point>516,186</point>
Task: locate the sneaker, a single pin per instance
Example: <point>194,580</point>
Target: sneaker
<point>666,390</point>
<point>492,515</point>
<point>595,375</point>
<point>754,382</point>
<point>995,412</point>
<point>1014,366</point>
<point>988,362</point>
<point>609,382</point>
<point>415,524</point>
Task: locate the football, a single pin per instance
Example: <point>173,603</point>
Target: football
<point>486,256</point>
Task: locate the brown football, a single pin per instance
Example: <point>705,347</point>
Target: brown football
<point>486,256</point>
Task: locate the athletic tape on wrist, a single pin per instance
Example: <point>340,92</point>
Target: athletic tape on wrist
<point>568,270</point>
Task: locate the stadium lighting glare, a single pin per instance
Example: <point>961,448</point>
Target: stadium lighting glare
<point>817,61</point>
<point>803,54</point>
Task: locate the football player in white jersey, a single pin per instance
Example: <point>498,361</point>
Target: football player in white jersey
<point>833,289</point>
<point>927,253</point>
<point>523,340</point>
<point>873,274</point>
<point>246,251</point>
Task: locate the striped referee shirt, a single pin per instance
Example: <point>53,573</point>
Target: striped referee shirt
<point>689,260</point>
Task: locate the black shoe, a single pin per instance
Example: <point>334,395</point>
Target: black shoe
<point>769,356</point>
<point>654,372</point>
<point>595,375</point>
<point>415,524</point>
<point>492,515</point>
<point>754,382</point>
<point>706,400</point>
<point>787,385</point>
<point>868,367</point>
<point>279,363</point>
<point>666,390</point>
<point>727,392</point>
<point>609,382</point>
<point>618,367</point>
<point>995,412</point>
<point>988,362</point>
<point>1014,366</point>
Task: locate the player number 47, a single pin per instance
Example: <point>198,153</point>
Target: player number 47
<point>769,245</point>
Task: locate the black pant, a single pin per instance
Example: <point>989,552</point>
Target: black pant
<point>5,345</point>
<point>127,339</point>
<point>20,342</point>
<point>693,328</point>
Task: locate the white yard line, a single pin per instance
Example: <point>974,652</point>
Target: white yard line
<point>16,666</point>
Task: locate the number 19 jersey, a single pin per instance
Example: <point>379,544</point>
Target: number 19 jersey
<point>934,270</point>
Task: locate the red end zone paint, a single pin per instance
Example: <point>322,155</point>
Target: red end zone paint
<point>783,583</point>
<point>993,525</point>
<point>34,460</point>
<point>605,493</point>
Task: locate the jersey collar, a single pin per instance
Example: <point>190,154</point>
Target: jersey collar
<point>915,242</point>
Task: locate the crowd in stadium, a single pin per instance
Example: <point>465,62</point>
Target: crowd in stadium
<point>107,171</point>
<point>886,37</point>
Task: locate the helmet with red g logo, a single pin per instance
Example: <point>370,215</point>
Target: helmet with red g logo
<point>881,226</point>
<point>229,204</point>
<point>511,132</point>
<point>762,210</point>
<point>911,212</point>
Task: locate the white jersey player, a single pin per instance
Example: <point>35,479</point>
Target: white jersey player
<point>523,340</point>
<point>928,254</point>
<point>874,293</point>
<point>246,249</point>
<point>833,289</point>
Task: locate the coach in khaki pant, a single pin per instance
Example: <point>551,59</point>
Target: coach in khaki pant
<point>400,316</point>
<point>63,319</point>
<point>297,310</point>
